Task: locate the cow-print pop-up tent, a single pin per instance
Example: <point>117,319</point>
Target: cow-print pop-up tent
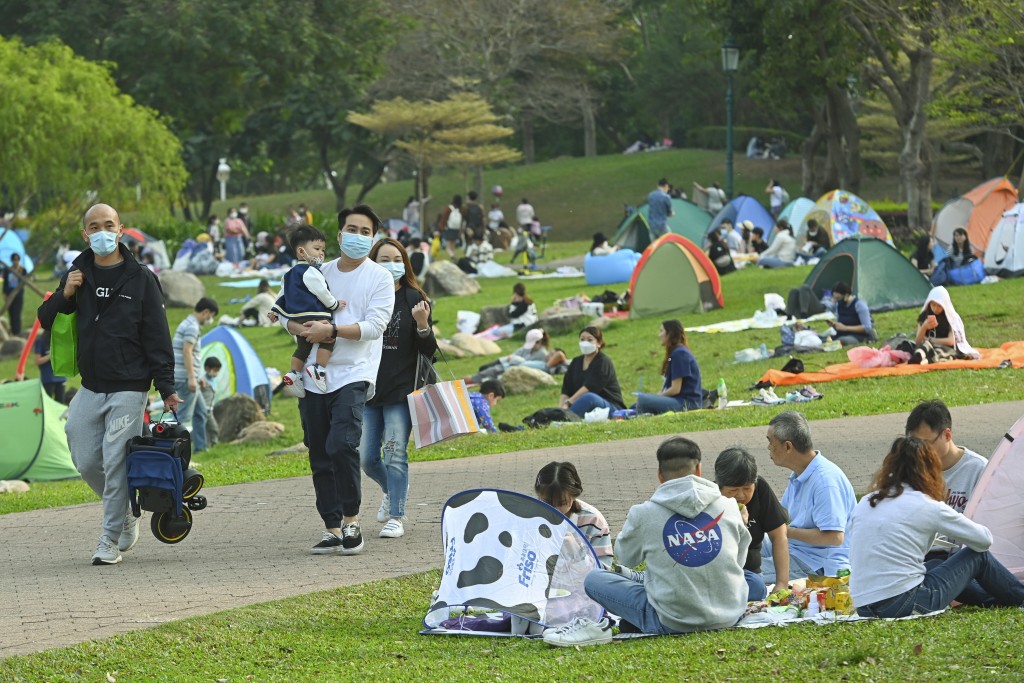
<point>512,556</point>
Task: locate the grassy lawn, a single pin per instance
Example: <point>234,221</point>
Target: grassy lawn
<point>369,632</point>
<point>991,314</point>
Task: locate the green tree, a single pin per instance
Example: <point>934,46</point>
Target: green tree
<point>74,137</point>
<point>460,131</point>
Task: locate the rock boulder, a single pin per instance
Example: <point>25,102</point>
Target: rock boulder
<point>444,278</point>
<point>259,431</point>
<point>181,290</point>
<point>235,413</point>
<point>493,315</point>
<point>12,348</point>
<point>563,322</point>
<point>519,379</point>
<point>475,346</point>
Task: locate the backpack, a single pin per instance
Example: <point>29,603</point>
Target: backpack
<point>454,219</point>
<point>474,216</point>
<point>802,303</point>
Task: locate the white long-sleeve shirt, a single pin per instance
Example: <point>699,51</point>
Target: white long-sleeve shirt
<point>317,286</point>
<point>783,246</point>
<point>369,292</point>
<point>888,542</point>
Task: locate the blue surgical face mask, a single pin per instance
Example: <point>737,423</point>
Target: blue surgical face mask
<point>103,243</point>
<point>355,246</point>
<point>396,268</point>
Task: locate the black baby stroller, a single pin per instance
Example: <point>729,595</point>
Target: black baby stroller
<point>160,480</point>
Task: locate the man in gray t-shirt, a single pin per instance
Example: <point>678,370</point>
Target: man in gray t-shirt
<point>188,375</point>
<point>931,422</point>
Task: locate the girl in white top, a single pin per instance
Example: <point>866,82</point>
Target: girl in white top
<point>891,530</point>
<point>782,252</point>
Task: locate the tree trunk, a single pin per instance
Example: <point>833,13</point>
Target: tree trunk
<point>589,129</point>
<point>529,151</point>
<point>915,164</point>
<point>844,124</point>
<point>808,151</point>
<point>478,181</point>
<point>208,189</point>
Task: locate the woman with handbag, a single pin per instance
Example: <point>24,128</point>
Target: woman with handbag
<point>409,344</point>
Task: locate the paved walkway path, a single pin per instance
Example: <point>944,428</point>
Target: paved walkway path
<point>251,545</point>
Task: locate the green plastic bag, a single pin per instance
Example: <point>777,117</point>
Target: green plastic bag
<point>64,345</point>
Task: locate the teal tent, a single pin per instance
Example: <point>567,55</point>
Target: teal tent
<point>689,220</point>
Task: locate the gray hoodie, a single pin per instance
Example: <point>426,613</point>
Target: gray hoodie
<point>694,543</point>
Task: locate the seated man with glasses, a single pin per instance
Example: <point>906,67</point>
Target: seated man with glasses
<point>931,422</point>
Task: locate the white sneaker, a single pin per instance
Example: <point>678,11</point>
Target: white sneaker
<point>106,552</point>
<point>384,511</point>
<point>293,387</point>
<point>319,377</point>
<point>129,533</point>
<point>393,529</point>
<point>580,632</point>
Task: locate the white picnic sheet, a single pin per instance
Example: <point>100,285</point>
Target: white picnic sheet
<point>754,323</point>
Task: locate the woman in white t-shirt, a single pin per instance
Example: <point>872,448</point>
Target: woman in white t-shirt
<point>891,530</point>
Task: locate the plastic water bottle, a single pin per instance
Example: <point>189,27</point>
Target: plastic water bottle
<point>812,605</point>
<point>723,394</point>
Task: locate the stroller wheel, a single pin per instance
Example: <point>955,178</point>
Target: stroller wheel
<point>193,482</point>
<point>170,529</point>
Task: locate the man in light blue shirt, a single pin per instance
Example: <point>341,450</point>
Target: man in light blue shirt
<point>659,208</point>
<point>819,499</point>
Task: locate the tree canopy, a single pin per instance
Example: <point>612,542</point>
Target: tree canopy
<point>76,136</point>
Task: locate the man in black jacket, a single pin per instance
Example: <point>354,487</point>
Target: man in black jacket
<point>124,346</point>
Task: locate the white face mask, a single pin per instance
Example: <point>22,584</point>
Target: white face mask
<point>588,347</point>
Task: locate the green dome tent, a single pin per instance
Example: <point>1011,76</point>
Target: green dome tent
<point>689,220</point>
<point>875,271</point>
<point>674,277</point>
<point>35,447</point>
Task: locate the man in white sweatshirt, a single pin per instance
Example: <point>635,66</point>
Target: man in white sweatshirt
<point>694,543</point>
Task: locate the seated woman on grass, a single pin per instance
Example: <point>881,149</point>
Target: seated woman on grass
<point>924,256</point>
<point>591,381</point>
<point>682,388</point>
<point>559,485</point>
<point>535,353</point>
<point>892,529</point>
<point>940,331</point>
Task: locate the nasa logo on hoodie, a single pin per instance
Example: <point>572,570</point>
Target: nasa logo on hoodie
<point>693,542</point>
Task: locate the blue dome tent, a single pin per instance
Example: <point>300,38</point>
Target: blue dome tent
<point>242,371</point>
<point>739,209</point>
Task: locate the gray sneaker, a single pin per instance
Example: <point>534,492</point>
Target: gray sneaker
<point>384,511</point>
<point>580,632</point>
<point>106,552</point>
<point>129,533</point>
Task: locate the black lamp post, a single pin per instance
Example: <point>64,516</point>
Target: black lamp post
<point>730,63</point>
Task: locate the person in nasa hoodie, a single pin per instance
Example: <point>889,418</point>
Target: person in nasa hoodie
<point>694,542</point>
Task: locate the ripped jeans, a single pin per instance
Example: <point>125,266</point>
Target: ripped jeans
<point>383,451</point>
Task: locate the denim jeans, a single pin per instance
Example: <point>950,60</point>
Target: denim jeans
<point>192,414</point>
<point>656,404</point>
<point>798,566</point>
<point>588,401</point>
<point>774,262</point>
<point>947,581</point>
<point>756,589</point>
<point>383,451</point>
<point>625,597</point>
<point>234,248</point>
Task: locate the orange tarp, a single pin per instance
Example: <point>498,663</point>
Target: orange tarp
<point>990,358</point>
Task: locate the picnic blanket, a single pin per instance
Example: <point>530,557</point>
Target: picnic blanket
<point>990,358</point>
<point>755,323</point>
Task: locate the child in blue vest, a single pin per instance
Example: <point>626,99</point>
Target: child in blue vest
<point>305,297</point>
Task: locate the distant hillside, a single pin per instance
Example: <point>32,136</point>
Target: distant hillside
<point>579,196</point>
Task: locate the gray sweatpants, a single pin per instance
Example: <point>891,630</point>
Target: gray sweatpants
<point>98,427</point>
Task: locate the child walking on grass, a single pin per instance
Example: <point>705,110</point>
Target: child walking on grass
<point>305,297</point>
